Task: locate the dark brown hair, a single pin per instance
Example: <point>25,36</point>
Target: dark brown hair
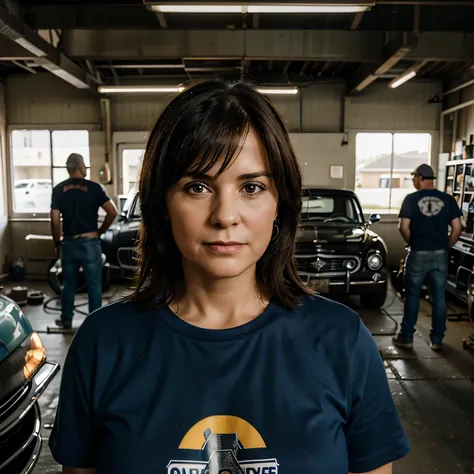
<point>201,126</point>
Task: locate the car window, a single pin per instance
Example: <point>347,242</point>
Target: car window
<point>137,210</point>
<point>326,208</point>
<point>21,185</point>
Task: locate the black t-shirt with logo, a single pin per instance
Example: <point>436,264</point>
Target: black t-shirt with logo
<point>78,200</point>
<point>291,392</point>
<point>430,212</point>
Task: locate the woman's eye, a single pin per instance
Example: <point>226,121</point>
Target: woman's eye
<point>253,188</point>
<point>197,188</point>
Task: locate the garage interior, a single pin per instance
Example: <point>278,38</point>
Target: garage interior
<point>369,90</point>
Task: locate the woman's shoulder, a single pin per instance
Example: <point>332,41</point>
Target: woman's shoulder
<point>325,319</point>
<point>117,319</point>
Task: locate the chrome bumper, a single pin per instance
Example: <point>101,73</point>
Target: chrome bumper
<point>315,281</point>
<point>20,416</point>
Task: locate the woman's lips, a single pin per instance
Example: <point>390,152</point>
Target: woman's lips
<point>224,247</point>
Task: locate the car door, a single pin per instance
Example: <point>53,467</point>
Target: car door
<point>127,238</point>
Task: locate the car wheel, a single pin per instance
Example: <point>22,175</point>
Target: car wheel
<point>376,299</point>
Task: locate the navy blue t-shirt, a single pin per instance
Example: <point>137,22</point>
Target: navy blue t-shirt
<point>293,391</point>
<point>78,200</point>
<point>430,212</point>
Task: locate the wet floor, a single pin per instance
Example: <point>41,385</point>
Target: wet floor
<point>434,392</point>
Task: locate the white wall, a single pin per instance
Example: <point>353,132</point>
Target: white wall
<point>316,118</point>
<point>4,229</point>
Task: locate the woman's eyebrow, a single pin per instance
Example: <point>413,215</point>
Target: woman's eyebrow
<point>242,177</point>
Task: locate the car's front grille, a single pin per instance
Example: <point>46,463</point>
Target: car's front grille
<point>320,263</point>
<point>11,372</point>
<point>18,444</point>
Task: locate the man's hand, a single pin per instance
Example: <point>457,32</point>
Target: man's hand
<point>404,228</point>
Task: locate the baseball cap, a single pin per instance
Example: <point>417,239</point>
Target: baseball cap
<point>424,171</point>
<point>74,160</point>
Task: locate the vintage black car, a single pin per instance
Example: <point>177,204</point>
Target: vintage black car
<point>336,251</point>
<point>25,373</point>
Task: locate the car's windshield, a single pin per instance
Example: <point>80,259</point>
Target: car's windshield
<point>329,208</point>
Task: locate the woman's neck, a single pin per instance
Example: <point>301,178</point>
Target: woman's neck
<point>220,304</point>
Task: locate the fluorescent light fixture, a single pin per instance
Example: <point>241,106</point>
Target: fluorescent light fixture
<point>307,8</point>
<point>139,89</point>
<point>402,79</point>
<point>328,7</point>
<point>277,90</point>
<point>197,8</point>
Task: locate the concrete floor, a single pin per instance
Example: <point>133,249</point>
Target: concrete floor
<point>434,392</point>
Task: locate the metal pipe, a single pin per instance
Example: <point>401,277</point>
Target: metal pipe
<point>458,88</point>
<point>457,107</point>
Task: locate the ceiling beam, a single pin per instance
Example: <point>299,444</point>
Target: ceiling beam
<point>41,51</point>
<point>259,44</point>
<point>395,50</point>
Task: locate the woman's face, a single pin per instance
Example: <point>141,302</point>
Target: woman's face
<point>222,226</point>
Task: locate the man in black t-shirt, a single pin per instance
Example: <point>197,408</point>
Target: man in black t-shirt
<point>78,200</point>
<point>425,218</point>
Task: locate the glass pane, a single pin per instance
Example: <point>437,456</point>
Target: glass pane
<point>327,209</point>
<point>131,164</point>
<point>61,174</point>
<point>373,169</point>
<point>66,142</point>
<point>31,162</point>
<point>409,151</point>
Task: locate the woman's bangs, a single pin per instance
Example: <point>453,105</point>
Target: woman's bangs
<point>212,143</point>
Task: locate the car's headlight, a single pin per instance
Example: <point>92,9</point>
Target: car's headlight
<point>349,264</point>
<point>34,356</point>
<point>374,261</point>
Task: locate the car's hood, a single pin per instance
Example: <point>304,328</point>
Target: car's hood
<point>313,232</point>
<point>14,327</point>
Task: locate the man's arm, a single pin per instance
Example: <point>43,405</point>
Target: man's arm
<point>111,213</point>
<point>456,229</point>
<point>55,216</point>
<point>404,228</point>
<point>387,469</point>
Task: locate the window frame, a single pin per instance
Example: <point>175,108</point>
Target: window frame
<point>36,216</point>
<point>390,217</point>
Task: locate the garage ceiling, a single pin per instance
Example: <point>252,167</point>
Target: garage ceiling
<point>125,42</point>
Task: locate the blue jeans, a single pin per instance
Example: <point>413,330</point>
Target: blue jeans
<point>77,253</point>
<point>434,266</point>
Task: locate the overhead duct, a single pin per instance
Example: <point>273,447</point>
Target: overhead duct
<point>46,55</point>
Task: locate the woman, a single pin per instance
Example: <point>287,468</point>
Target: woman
<point>222,361</point>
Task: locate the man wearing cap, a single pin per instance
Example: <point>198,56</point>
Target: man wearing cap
<point>78,200</point>
<point>425,218</point>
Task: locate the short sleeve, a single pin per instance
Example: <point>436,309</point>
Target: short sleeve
<point>375,435</point>
<point>72,438</point>
<point>455,211</point>
<point>55,199</point>
<point>405,211</point>
<point>102,197</point>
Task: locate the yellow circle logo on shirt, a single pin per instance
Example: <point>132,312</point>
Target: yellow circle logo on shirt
<point>222,424</point>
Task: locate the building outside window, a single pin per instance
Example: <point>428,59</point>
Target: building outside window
<point>384,163</point>
<point>39,163</point>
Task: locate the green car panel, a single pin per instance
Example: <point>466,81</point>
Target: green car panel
<point>14,327</point>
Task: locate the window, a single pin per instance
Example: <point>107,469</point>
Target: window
<point>327,208</point>
<point>131,164</point>
<point>39,163</point>
<point>384,163</point>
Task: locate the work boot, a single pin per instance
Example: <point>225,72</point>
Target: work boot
<point>401,341</point>
<point>61,323</point>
